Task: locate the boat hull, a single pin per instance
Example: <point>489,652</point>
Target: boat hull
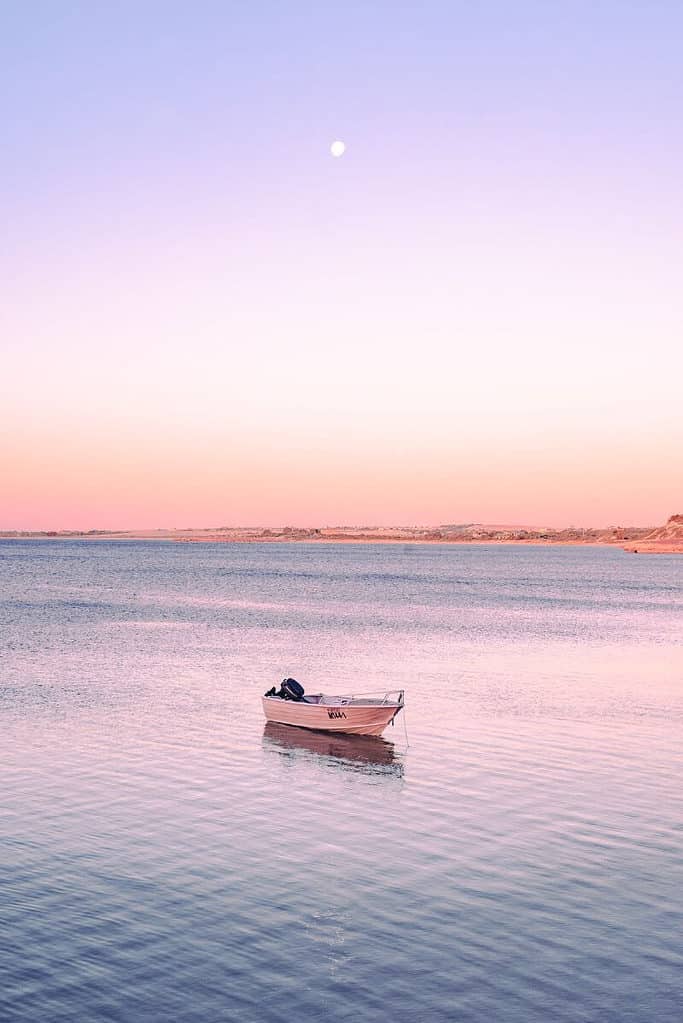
<point>351,719</point>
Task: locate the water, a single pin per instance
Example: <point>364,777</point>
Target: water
<point>164,856</point>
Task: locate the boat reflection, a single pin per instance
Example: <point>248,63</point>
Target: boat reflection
<point>368,753</point>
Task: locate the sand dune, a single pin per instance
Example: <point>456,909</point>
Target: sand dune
<point>666,539</point>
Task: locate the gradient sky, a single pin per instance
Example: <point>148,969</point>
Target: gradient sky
<point>474,315</point>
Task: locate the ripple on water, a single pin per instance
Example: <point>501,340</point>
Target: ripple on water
<point>165,855</point>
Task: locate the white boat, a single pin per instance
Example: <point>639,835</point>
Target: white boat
<point>362,714</point>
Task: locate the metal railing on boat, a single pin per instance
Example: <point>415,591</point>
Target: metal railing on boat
<point>376,694</point>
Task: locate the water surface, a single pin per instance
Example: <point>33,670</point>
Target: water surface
<point>164,855</point>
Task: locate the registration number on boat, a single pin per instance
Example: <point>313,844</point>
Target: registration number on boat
<point>336,714</point>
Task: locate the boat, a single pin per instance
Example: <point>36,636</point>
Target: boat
<point>359,714</point>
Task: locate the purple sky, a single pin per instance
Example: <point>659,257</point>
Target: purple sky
<point>474,314</point>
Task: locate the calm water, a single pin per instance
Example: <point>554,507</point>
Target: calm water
<point>166,857</point>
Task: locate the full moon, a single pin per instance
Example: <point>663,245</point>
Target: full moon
<point>337,148</point>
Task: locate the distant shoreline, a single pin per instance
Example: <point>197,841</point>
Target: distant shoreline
<point>667,539</point>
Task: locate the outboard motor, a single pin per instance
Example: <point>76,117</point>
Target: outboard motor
<point>291,689</point>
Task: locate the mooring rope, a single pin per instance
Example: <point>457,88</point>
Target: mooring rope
<point>405,725</point>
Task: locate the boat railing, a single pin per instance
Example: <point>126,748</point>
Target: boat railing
<point>376,694</point>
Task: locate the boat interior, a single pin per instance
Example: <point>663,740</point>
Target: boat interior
<point>293,690</point>
<point>348,701</point>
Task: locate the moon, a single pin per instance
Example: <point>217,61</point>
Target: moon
<point>338,148</point>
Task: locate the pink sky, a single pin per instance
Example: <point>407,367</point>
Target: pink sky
<point>473,315</point>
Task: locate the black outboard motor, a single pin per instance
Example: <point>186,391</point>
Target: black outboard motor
<point>291,689</point>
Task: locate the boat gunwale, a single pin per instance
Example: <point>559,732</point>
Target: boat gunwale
<point>340,701</point>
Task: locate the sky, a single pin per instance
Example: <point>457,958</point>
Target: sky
<point>474,315</point>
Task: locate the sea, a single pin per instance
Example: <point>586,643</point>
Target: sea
<point>511,850</point>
